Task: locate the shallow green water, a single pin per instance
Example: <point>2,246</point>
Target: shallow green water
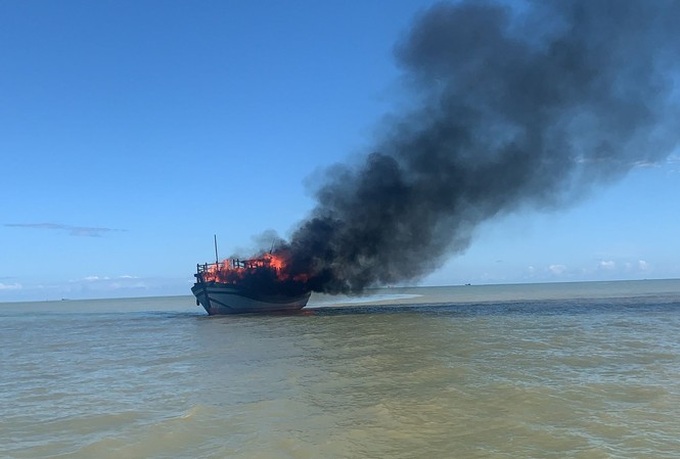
<point>558,370</point>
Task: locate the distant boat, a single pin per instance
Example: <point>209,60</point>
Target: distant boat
<point>247,286</point>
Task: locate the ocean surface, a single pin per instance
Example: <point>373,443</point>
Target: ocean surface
<point>579,370</point>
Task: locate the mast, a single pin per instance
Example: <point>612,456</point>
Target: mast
<point>217,258</point>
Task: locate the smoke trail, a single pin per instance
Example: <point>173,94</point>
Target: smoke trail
<point>512,108</point>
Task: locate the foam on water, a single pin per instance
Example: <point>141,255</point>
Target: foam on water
<point>320,301</point>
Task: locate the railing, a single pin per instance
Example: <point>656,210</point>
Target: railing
<point>234,264</point>
<point>201,268</point>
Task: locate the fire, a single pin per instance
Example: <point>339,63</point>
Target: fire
<point>234,270</point>
<point>270,273</point>
<point>275,261</point>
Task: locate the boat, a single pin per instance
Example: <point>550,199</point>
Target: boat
<point>256,285</point>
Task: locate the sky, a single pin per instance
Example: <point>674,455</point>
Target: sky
<point>132,132</point>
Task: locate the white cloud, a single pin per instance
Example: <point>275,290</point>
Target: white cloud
<point>104,286</point>
<point>643,265</point>
<point>645,164</point>
<point>93,278</point>
<point>88,231</point>
<point>101,279</point>
<point>14,286</point>
<point>674,163</point>
<point>94,287</point>
<point>607,265</point>
<point>557,269</point>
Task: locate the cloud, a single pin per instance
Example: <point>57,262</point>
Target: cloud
<point>557,269</point>
<point>95,286</point>
<point>102,286</point>
<point>645,164</point>
<point>643,265</point>
<point>674,163</point>
<point>95,278</point>
<point>88,231</point>
<point>607,265</point>
<point>14,286</point>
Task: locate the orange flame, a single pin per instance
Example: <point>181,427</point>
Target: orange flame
<point>233,269</point>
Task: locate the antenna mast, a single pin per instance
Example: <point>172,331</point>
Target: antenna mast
<point>217,258</point>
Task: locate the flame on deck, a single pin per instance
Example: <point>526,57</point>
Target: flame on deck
<point>231,270</point>
<point>266,273</point>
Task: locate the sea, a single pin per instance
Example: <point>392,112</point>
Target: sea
<point>577,370</point>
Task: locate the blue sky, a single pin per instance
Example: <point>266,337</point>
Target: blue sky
<point>134,131</point>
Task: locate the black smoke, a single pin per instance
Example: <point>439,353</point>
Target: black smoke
<point>512,107</point>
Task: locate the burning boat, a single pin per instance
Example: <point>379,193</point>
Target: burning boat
<point>260,284</point>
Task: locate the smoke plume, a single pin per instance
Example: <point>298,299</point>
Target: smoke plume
<point>512,108</point>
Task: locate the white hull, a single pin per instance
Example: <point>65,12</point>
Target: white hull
<point>219,299</point>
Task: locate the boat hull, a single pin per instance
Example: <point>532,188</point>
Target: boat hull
<point>222,299</point>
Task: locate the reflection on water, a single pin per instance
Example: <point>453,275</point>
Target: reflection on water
<point>568,377</point>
